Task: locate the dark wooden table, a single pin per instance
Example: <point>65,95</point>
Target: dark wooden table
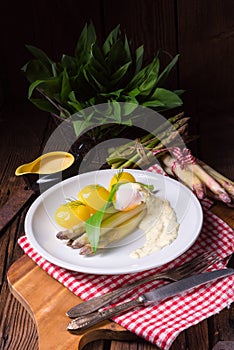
<point>22,140</point>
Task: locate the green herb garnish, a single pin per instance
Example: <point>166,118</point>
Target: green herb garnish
<point>73,203</point>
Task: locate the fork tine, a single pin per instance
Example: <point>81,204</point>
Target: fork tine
<point>197,265</point>
<point>200,261</point>
<point>205,264</point>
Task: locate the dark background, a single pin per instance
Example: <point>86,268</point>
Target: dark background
<point>202,32</point>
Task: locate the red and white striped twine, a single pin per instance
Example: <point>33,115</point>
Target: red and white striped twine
<point>183,157</point>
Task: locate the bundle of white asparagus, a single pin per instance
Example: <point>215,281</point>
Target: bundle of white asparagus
<point>197,175</point>
<point>201,179</point>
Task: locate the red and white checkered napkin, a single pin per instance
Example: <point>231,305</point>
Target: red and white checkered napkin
<point>162,323</point>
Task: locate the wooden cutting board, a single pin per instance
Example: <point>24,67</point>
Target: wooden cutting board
<point>47,301</point>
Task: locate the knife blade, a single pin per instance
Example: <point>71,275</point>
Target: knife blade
<point>149,298</point>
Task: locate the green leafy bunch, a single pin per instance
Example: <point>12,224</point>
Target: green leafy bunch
<point>109,73</point>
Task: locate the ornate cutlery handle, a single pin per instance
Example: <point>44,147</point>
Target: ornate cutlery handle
<point>102,300</point>
<point>86,321</point>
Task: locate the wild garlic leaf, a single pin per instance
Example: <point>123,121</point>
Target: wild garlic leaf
<point>52,85</point>
<point>116,56</point>
<point>44,105</point>
<point>154,104</point>
<point>48,86</point>
<point>93,81</point>
<point>55,69</point>
<point>74,102</point>
<point>33,86</point>
<point>91,36</point>
<point>116,111</point>
<point>141,76</point>
<point>167,97</point>
<point>98,74</point>
<point>128,108</point>
<point>36,70</point>
<point>80,126</point>
<point>179,92</point>
<point>127,49</point>
<point>93,224</point>
<point>66,87</point>
<point>112,95</point>
<point>40,55</point>
<point>163,98</point>
<point>139,58</point>
<point>70,64</point>
<point>120,74</point>
<point>164,75</point>
<point>84,43</point>
<point>75,105</point>
<point>98,59</point>
<point>151,78</point>
<point>111,38</point>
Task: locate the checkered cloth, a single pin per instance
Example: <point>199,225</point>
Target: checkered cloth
<point>162,323</point>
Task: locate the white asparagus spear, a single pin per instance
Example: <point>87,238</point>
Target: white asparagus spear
<point>77,230</point>
<point>109,224</point>
<point>227,184</point>
<point>116,234</point>
<point>184,175</point>
<point>73,232</point>
<point>80,241</point>
<point>210,182</point>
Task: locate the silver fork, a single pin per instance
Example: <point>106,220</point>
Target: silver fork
<point>189,268</point>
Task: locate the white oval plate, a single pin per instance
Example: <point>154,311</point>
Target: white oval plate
<point>41,228</point>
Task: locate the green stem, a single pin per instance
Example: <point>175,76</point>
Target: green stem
<point>147,137</point>
<point>137,160</point>
<point>157,143</point>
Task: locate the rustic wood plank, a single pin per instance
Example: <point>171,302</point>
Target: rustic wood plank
<point>13,315</point>
<point>180,343</point>
<point>12,326</point>
<point>197,337</point>
<point>14,204</point>
<point>205,44</point>
<point>226,213</point>
<point>20,141</point>
<point>132,346</point>
<point>221,327</point>
<point>97,345</point>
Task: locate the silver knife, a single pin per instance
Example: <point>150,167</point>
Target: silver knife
<point>149,298</point>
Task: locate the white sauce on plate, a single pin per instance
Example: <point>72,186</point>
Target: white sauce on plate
<point>159,225</point>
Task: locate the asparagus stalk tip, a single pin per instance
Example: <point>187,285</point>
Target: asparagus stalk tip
<point>73,232</point>
<point>210,183</point>
<point>186,176</point>
<point>86,250</point>
<point>227,184</point>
